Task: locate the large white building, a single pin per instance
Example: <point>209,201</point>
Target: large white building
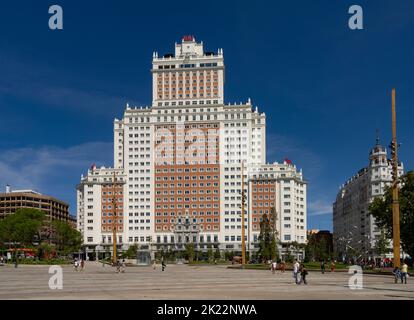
<point>354,229</point>
<point>181,163</point>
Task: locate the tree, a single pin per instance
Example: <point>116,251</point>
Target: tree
<point>131,253</point>
<point>189,252</point>
<point>381,210</point>
<point>267,240</point>
<point>317,249</point>
<point>382,244</point>
<point>66,238</point>
<point>228,255</point>
<point>217,255</point>
<point>289,256</point>
<point>45,250</point>
<point>210,254</point>
<point>21,227</point>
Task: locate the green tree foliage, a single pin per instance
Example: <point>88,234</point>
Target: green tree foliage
<point>381,210</point>
<point>21,227</point>
<point>382,244</point>
<point>66,238</point>
<point>210,254</point>
<point>289,256</point>
<point>267,240</point>
<point>189,252</point>
<point>131,253</point>
<point>217,255</point>
<point>228,255</point>
<point>317,250</point>
<point>45,250</point>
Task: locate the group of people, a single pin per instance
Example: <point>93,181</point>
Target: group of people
<point>401,273</point>
<point>79,264</point>
<point>120,266</point>
<point>323,266</point>
<point>163,265</point>
<point>274,266</point>
<point>299,273</point>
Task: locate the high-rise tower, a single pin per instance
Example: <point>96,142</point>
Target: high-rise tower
<point>189,74</point>
<point>181,162</point>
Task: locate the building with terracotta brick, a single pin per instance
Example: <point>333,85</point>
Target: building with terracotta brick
<point>181,161</point>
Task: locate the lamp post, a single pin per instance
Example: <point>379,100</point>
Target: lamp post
<point>243,196</point>
<point>395,202</point>
<point>114,256</point>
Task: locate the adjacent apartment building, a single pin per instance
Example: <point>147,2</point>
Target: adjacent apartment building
<point>179,165</point>
<point>354,229</point>
<point>12,200</point>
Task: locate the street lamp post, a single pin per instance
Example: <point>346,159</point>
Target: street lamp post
<point>243,196</point>
<point>114,256</point>
<point>395,202</point>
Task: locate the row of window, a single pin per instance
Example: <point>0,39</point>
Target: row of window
<point>187,103</point>
<point>208,227</point>
<point>180,170</point>
<point>187,185</point>
<point>200,220</point>
<point>187,95</point>
<point>179,178</point>
<point>193,199</point>
<point>194,213</point>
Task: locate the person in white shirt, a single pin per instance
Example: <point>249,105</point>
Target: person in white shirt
<point>296,271</point>
<point>274,266</point>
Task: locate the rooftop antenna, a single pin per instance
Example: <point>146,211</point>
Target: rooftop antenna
<point>378,138</point>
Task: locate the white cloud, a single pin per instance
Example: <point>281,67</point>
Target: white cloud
<point>319,207</point>
<point>50,169</point>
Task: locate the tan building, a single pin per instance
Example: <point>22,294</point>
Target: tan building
<point>55,209</point>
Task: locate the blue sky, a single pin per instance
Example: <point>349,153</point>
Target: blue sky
<point>325,88</point>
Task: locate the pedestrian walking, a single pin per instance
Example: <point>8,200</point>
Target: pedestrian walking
<point>332,266</point>
<point>274,267</point>
<point>282,267</point>
<point>163,265</point>
<point>295,271</point>
<point>404,273</point>
<point>76,264</point>
<point>154,265</point>
<point>82,264</point>
<point>323,266</point>
<point>123,266</point>
<point>303,273</point>
<point>397,274</point>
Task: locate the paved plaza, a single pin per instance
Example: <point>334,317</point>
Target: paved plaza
<point>191,282</point>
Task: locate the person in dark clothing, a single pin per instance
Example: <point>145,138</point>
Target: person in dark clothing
<point>163,265</point>
<point>397,274</point>
<point>323,266</point>
<point>303,273</point>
